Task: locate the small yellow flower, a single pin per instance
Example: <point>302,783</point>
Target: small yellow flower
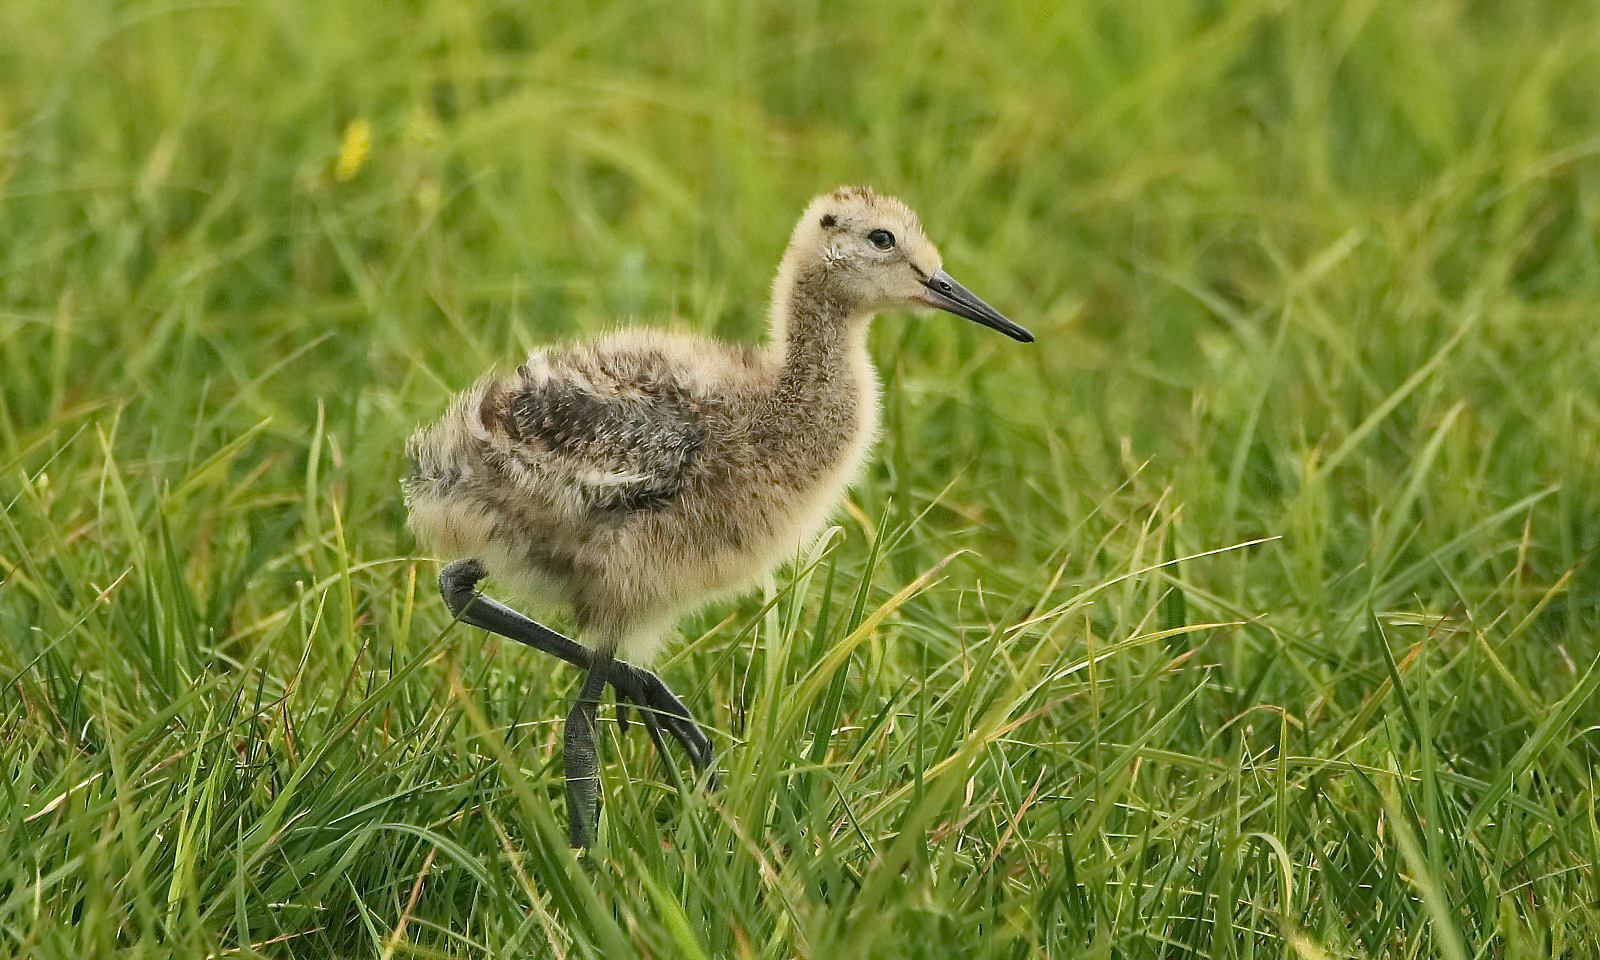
<point>353,151</point>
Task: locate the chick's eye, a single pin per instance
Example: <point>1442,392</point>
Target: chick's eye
<point>882,239</point>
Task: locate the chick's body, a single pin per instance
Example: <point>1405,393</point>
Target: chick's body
<point>635,476</point>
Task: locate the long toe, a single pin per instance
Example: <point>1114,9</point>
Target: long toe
<point>656,702</point>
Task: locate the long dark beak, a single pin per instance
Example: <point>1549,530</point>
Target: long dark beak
<point>943,292</point>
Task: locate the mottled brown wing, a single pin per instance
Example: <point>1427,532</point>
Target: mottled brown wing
<point>617,449</point>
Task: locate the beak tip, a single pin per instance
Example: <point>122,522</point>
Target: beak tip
<point>1017,332</point>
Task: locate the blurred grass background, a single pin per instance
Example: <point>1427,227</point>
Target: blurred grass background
<point>1271,624</point>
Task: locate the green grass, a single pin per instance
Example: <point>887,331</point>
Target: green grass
<point>1249,613</point>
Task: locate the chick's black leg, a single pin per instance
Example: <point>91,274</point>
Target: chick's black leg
<point>658,708</point>
<point>578,752</point>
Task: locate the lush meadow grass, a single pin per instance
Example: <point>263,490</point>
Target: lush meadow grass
<point>1249,613</point>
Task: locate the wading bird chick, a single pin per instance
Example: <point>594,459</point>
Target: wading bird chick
<point>637,476</point>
